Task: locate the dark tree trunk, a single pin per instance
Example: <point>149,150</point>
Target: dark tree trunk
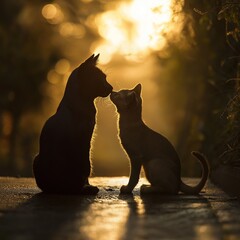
<point>12,155</point>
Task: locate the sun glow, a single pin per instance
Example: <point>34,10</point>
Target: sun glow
<point>136,28</point>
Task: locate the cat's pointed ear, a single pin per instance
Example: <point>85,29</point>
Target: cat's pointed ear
<point>95,59</point>
<point>92,60</point>
<point>137,89</point>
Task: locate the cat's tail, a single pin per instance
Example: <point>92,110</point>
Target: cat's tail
<point>205,172</point>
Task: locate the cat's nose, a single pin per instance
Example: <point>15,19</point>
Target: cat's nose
<point>109,88</point>
<point>112,95</point>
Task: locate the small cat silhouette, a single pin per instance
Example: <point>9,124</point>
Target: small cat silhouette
<point>63,164</point>
<point>150,149</point>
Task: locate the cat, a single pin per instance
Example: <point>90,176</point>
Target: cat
<point>63,165</point>
<point>150,149</point>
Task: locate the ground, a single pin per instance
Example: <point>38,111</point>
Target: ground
<point>26,213</point>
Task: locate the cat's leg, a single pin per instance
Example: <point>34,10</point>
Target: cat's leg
<point>161,176</point>
<point>148,189</point>
<point>43,181</point>
<point>134,177</point>
<point>89,190</point>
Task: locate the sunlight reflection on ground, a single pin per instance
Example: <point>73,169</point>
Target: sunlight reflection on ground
<point>96,225</point>
<point>25,213</point>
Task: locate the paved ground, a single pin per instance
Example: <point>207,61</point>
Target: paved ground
<point>27,214</point>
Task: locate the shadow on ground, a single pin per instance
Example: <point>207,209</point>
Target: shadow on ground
<point>46,217</point>
<point>25,213</point>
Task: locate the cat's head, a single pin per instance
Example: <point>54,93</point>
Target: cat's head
<point>127,99</point>
<point>89,80</point>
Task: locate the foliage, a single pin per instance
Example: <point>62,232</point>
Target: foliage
<point>205,71</point>
<point>219,23</point>
<point>26,56</point>
<point>230,12</point>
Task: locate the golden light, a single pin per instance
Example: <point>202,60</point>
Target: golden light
<point>117,210</point>
<point>58,74</point>
<point>7,124</point>
<point>53,77</point>
<point>52,13</point>
<point>136,28</point>
<point>208,231</point>
<point>110,228</point>
<point>68,29</point>
<point>62,66</point>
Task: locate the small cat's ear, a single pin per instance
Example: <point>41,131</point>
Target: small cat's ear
<point>137,89</point>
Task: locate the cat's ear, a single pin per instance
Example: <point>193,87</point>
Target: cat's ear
<point>137,89</point>
<point>95,59</point>
<point>92,60</point>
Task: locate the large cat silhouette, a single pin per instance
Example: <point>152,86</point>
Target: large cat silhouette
<point>63,164</point>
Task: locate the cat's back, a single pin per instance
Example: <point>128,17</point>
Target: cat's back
<point>135,138</point>
<point>63,129</point>
<point>150,142</point>
<point>56,124</point>
<point>157,139</point>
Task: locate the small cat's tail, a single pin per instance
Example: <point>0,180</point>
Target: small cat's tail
<point>205,172</point>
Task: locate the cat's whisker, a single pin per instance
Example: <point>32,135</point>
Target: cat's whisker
<point>116,114</point>
<point>108,102</point>
<point>102,101</point>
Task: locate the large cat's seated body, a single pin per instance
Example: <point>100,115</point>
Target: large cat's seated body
<point>63,165</point>
<point>150,149</point>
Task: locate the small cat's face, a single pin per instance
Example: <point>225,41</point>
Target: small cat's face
<point>127,99</point>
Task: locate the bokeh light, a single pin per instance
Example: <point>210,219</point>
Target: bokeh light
<point>68,29</point>
<point>136,28</point>
<point>52,13</point>
<point>62,66</point>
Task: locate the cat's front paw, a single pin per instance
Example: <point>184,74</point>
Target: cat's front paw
<point>90,190</point>
<point>125,190</point>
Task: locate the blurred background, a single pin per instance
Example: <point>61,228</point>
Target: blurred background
<point>184,53</point>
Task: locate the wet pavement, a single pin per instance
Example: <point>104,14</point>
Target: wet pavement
<point>26,213</point>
